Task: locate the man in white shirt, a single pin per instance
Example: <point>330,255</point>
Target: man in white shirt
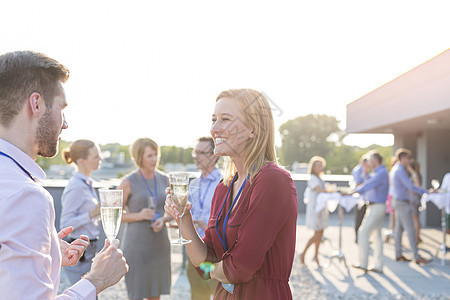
<point>32,100</point>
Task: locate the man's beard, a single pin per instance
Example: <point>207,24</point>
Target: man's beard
<point>46,138</point>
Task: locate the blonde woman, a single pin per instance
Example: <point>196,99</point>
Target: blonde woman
<point>249,242</point>
<point>146,242</point>
<point>316,221</point>
<point>80,207</point>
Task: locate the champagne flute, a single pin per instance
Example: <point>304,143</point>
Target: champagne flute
<point>111,211</point>
<point>179,188</point>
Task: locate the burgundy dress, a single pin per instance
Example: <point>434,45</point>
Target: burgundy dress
<point>260,236</point>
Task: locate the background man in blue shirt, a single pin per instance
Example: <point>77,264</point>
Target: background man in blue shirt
<point>201,191</point>
<point>375,191</point>
<point>402,186</point>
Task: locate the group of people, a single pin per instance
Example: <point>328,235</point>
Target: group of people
<point>401,186</point>
<point>227,222</point>
<point>242,223</point>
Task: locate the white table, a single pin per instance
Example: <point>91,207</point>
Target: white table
<point>442,202</point>
<point>331,201</point>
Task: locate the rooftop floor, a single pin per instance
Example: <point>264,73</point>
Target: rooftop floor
<point>338,280</point>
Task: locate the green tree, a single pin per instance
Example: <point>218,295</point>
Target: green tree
<point>342,159</point>
<point>306,136</point>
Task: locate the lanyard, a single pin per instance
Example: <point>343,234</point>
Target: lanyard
<point>91,189</point>
<point>19,165</point>
<point>200,198</point>
<point>148,188</point>
<point>224,240</point>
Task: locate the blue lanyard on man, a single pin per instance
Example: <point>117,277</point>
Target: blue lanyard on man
<point>227,286</point>
<point>19,165</point>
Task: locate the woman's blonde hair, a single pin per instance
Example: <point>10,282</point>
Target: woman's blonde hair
<point>138,147</point>
<point>313,161</point>
<point>258,115</point>
<point>76,150</point>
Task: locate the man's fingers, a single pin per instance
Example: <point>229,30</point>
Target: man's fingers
<point>84,237</point>
<point>65,231</point>
<point>79,248</point>
<point>81,242</point>
<point>116,243</point>
<point>105,246</point>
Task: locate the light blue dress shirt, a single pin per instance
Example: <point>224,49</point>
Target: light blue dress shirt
<point>201,192</point>
<point>401,185</point>
<point>357,173</point>
<point>77,200</point>
<point>375,189</point>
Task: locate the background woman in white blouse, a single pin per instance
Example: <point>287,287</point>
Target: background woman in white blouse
<point>317,221</point>
<point>80,206</point>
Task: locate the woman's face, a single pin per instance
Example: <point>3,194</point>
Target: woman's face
<point>93,159</point>
<point>318,167</point>
<point>149,159</point>
<point>230,132</point>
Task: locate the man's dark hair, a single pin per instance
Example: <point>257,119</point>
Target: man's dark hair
<point>208,139</point>
<point>402,152</point>
<point>377,156</point>
<point>23,73</point>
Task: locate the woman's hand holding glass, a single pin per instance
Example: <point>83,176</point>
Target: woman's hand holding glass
<point>158,225</point>
<point>171,208</point>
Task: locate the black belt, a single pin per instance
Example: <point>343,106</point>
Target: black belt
<point>370,203</point>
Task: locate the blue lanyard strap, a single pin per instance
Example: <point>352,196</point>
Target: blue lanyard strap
<point>155,196</point>
<point>224,230</point>
<point>200,198</point>
<point>19,165</point>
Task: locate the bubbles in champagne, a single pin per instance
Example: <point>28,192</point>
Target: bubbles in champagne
<point>179,196</point>
<point>111,218</point>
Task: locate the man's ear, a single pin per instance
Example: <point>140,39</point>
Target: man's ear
<point>35,102</point>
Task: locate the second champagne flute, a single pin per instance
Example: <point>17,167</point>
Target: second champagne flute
<point>179,188</point>
<point>111,211</point>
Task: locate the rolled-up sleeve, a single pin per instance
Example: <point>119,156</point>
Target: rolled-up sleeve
<point>270,203</point>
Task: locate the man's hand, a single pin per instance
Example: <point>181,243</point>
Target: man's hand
<point>108,267</point>
<point>72,252</point>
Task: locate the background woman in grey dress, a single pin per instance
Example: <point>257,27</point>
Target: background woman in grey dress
<point>146,244</point>
<point>316,221</point>
<point>80,207</point>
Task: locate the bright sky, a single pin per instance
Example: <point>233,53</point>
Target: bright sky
<point>154,68</point>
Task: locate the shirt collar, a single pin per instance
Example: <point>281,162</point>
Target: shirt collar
<point>83,177</point>
<point>215,174</point>
<point>378,169</point>
<point>23,159</point>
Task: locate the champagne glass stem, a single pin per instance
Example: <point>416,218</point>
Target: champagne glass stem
<point>180,231</point>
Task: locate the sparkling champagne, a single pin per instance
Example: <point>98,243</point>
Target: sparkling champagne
<point>180,196</point>
<point>111,218</point>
